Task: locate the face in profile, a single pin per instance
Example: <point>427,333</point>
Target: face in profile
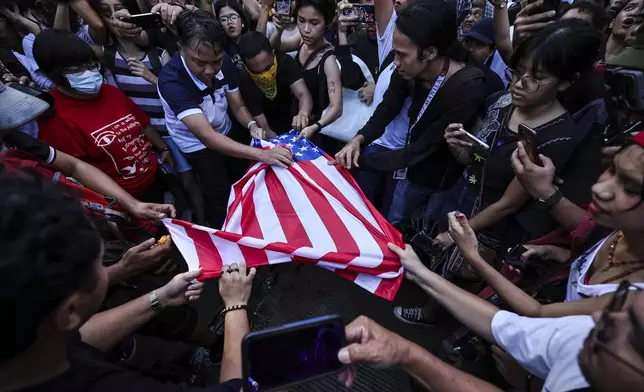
<point>612,357</point>
<point>406,57</point>
<point>203,61</point>
<point>617,195</point>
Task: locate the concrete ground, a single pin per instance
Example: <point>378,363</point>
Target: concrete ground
<point>304,291</point>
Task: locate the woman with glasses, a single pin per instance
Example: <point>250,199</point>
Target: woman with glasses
<point>233,19</point>
<point>96,122</point>
<point>597,272</point>
<point>541,68</point>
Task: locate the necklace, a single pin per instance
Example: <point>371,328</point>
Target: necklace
<point>611,255</point>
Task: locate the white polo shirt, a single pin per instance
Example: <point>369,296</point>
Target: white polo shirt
<point>183,94</point>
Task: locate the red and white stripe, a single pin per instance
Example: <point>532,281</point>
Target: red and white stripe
<point>311,212</point>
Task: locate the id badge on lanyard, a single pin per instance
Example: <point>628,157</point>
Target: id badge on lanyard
<point>401,174</point>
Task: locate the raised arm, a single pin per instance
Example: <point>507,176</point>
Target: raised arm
<point>262,19</point>
<point>97,29</point>
<point>502,38</point>
<point>15,16</point>
<point>384,9</point>
<point>252,8</point>
<point>281,44</point>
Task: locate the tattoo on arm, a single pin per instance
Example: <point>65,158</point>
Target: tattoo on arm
<point>331,86</point>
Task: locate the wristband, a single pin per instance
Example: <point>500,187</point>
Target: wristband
<point>251,123</point>
<point>319,126</point>
<point>232,308</point>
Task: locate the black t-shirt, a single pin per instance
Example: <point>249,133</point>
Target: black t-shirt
<point>232,50</point>
<point>278,111</point>
<point>90,372</point>
<point>23,142</point>
<point>555,139</point>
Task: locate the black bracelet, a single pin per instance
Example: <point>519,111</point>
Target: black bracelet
<point>319,126</point>
<point>234,307</point>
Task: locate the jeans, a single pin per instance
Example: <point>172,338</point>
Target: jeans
<point>377,186</point>
<point>408,198</point>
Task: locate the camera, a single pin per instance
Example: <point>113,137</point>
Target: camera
<point>624,92</point>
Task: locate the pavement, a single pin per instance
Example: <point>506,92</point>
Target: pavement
<point>303,291</point>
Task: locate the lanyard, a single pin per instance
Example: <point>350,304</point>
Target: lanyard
<point>401,174</point>
<point>430,96</point>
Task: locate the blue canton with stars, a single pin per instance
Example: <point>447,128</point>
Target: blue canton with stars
<point>303,149</point>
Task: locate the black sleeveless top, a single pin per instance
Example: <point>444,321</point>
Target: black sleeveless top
<point>315,79</point>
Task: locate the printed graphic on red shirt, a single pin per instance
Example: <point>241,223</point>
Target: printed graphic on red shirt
<point>129,149</point>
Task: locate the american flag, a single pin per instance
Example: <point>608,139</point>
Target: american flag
<point>311,212</point>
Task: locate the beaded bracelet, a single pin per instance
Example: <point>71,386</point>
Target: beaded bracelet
<point>234,307</point>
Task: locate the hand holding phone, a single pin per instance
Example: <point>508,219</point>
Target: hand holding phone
<point>528,136</point>
<point>292,354</point>
<point>146,21</point>
<point>283,7</point>
<point>513,257</point>
<point>476,141</point>
<point>365,13</point>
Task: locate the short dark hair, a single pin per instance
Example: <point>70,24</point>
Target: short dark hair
<point>478,4</point>
<point>597,13</point>
<point>429,23</point>
<point>56,49</point>
<point>196,28</point>
<point>253,43</point>
<point>49,250</point>
<point>324,7</point>
<point>565,48</point>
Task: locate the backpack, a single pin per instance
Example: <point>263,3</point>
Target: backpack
<point>115,226</point>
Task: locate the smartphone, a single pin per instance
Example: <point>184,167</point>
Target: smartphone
<point>366,13</point>
<point>480,143</point>
<point>292,354</point>
<point>513,257</point>
<point>548,5</point>
<point>528,136</point>
<point>146,21</point>
<point>283,7</point>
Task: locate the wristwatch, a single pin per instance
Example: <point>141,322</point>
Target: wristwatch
<point>154,301</point>
<point>550,201</point>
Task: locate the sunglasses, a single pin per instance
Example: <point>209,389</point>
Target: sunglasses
<point>600,336</point>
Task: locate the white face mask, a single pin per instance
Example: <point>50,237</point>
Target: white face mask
<point>86,82</point>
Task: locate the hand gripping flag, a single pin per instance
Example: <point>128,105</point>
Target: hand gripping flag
<point>311,212</point>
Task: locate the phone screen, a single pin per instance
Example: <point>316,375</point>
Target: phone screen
<point>283,7</point>
<point>528,136</point>
<point>513,257</point>
<point>293,353</point>
<point>366,13</point>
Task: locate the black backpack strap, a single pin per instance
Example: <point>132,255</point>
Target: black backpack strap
<point>109,56</point>
<point>155,60</point>
<point>388,60</point>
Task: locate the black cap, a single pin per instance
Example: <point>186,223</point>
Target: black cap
<point>482,31</point>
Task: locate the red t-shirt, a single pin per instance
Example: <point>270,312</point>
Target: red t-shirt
<point>106,132</point>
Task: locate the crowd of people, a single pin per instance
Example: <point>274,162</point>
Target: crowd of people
<point>504,139</point>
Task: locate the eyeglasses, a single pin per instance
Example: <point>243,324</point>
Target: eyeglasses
<point>529,83</point>
<point>600,335</point>
<point>226,19</point>
<point>82,68</point>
